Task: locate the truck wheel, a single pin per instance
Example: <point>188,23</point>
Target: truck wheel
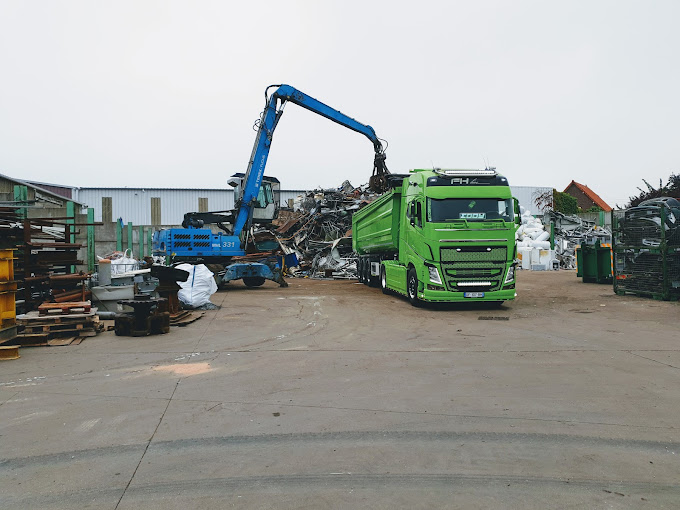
<point>383,280</point>
<point>412,287</point>
<point>253,281</point>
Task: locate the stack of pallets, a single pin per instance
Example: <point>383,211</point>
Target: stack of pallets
<point>58,324</point>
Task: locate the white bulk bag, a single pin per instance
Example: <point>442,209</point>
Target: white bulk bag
<point>198,288</point>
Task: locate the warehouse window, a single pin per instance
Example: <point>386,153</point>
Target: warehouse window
<point>202,204</point>
<point>156,210</point>
<point>107,210</point>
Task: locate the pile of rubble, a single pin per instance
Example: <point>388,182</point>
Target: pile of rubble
<point>316,236</point>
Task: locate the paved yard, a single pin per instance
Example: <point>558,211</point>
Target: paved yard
<point>328,394</point>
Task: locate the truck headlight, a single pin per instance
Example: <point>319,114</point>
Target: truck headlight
<point>511,274</point>
<point>434,275</point>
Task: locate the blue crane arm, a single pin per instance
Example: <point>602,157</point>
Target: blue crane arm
<point>267,124</point>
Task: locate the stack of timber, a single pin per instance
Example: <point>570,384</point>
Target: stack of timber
<point>48,254</point>
<point>58,324</point>
<point>44,253</point>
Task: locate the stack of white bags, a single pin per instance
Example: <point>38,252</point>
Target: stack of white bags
<point>533,244</point>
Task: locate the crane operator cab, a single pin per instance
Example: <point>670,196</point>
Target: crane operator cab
<point>268,199</point>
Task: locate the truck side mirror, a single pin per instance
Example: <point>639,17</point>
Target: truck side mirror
<point>518,214</point>
<point>413,222</point>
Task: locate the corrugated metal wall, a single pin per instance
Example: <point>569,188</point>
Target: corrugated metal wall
<point>527,197</point>
<point>134,204</point>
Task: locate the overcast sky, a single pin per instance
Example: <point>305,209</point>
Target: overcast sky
<point>163,93</point>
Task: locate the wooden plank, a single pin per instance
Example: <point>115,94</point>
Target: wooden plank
<point>61,341</point>
<point>193,317</point>
<point>56,309</point>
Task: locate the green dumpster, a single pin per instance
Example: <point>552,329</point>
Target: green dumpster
<point>594,262</point>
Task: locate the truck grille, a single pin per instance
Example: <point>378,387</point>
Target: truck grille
<point>470,264</point>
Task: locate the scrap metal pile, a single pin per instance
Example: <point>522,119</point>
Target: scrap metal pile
<point>316,236</point>
<point>572,231</point>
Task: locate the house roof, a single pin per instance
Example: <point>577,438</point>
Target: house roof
<point>590,194</point>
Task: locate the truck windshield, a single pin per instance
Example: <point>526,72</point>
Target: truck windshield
<point>470,209</point>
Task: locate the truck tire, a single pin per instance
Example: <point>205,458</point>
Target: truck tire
<point>383,280</point>
<point>412,287</point>
<point>253,281</point>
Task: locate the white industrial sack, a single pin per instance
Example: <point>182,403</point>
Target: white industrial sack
<point>198,288</point>
<point>124,263</point>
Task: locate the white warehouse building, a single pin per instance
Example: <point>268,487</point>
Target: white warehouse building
<point>158,206</point>
<point>166,206</point>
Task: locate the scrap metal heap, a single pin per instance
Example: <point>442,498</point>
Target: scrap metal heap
<point>572,231</point>
<point>316,237</point>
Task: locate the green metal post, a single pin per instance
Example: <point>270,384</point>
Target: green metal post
<point>21,195</point>
<point>665,284</point>
<point>552,236</point>
<point>119,236</point>
<point>90,239</point>
<point>129,235</point>
<point>149,234</point>
<point>141,242</point>
<point>70,225</point>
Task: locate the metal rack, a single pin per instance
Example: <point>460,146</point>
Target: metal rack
<point>646,247</point>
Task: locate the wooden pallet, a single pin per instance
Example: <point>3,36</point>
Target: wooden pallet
<point>32,341</point>
<point>35,317</point>
<point>88,324</point>
<point>65,308</point>
<point>57,329</point>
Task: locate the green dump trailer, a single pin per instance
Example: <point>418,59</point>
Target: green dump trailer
<point>440,236</point>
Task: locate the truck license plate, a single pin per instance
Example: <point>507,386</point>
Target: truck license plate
<point>473,294</point>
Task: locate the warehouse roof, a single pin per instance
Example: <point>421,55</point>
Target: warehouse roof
<point>37,186</point>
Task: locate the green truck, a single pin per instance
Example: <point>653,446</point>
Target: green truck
<point>440,236</point>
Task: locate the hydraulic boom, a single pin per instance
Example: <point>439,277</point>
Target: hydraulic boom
<point>194,243</point>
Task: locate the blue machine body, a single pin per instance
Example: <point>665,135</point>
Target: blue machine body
<point>193,244</point>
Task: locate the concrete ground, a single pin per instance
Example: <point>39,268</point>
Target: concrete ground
<point>328,394</point>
